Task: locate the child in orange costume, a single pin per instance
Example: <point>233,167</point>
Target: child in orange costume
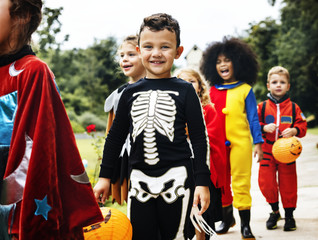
<point>217,148</point>
<point>279,117</point>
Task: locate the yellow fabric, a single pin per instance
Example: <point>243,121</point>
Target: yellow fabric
<point>238,133</point>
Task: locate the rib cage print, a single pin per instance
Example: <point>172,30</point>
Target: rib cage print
<point>151,111</point>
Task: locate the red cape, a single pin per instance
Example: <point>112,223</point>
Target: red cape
<point>53,205</point>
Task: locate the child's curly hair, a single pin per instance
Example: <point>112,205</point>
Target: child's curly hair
<point>243,58</point>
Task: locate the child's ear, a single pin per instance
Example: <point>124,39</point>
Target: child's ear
<point>179,52</point>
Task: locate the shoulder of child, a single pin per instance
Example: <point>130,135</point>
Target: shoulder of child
<point>114,97</point>
<point>31,66</point>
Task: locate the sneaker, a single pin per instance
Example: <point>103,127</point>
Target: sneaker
<point>272,221</point>
<point>290,224</point>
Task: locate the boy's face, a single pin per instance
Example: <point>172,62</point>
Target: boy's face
<point>224,67</point>
<point>158,51</point>
<point>278,85</point>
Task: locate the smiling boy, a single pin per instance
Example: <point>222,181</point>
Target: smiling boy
<point>164,185</point>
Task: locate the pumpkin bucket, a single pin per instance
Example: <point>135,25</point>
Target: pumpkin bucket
<point>287,150</point>
<point>116,226</point>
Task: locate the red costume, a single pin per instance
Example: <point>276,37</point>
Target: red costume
<point>44,175</point>
<point>284,115</point>
<point>217,148</point>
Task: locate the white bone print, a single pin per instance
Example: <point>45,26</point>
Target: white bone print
<point>153,110</point>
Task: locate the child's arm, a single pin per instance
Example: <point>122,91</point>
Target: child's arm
<point>253,119</point>
<point>202,196</point>
<point>258,151</point>
<point>289,132</point>
<point>270,128</point>
<point>101,189</point>
<point>200,144</point>
<point>300,125</point>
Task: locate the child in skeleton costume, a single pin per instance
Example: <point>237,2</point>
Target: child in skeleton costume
<point>164,183</point>
<point>44,190</point>
<point>131,65</point>
<point>279,117</point>
<point>231,67</point>
<point>217,148</point>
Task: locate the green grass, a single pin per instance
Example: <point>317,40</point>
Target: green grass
<point>88,152</point>
<point>313,130</point>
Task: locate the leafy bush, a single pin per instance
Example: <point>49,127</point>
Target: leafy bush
<point>88,118</point>
<point>77,128</point>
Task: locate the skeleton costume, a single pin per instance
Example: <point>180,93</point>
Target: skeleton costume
<point>162,177</point>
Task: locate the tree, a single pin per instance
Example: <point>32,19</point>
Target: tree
<point>263,37</point>
<point>292,44</point>
<point>298,51</point>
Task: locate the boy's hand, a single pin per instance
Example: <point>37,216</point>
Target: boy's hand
<point>270,128</point>
<point>101,190</point>
<point>258,151</point>
<point>202,196</point>
<point>289,132</point>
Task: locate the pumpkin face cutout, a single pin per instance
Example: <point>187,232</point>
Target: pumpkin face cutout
<point>116,226</point>
<point>287,150</point>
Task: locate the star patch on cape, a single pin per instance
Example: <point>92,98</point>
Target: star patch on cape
<point>42,208</point>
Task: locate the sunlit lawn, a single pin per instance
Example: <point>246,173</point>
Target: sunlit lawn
<point>87,152</point>
<point>313,130</point>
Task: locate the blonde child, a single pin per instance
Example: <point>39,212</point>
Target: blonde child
<point>217,148</point>
<point>131,65</point>
<point>279,117</point>
<point>43,183</point>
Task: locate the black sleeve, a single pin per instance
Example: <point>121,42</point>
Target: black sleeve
<point>115,138</point>
<point>198,137</point>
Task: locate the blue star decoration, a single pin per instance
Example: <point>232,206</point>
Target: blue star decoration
<point>42,208</point>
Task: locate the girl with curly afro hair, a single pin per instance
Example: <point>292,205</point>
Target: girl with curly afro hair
<point>231,67</point>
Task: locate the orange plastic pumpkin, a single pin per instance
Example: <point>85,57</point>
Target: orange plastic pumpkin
<point>116,226</point>
<point>287,150</point>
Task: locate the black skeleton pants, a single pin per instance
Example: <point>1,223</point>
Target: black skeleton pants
<point>160,201</point>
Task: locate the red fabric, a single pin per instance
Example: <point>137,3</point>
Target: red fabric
<point>285,110</point>
<point>217,147</point>
<point>218,97</point>
<point>276,178</point>
<point>41,116</point>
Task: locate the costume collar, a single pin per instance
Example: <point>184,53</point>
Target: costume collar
<point>7,59</point>
<point>228,86</point>
<point>274,100</point>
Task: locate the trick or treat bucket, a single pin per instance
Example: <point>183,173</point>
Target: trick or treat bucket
<point>287,150</point>
<point>116,226</point>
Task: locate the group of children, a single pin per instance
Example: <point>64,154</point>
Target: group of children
<point>173,143</point>
<point>230,115</point>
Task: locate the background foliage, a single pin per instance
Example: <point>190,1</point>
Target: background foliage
<point>87,76</point>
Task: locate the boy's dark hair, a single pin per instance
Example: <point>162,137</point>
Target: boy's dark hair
<point>27,15</point>
<point>161,21</point>
<point>243,58</point>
